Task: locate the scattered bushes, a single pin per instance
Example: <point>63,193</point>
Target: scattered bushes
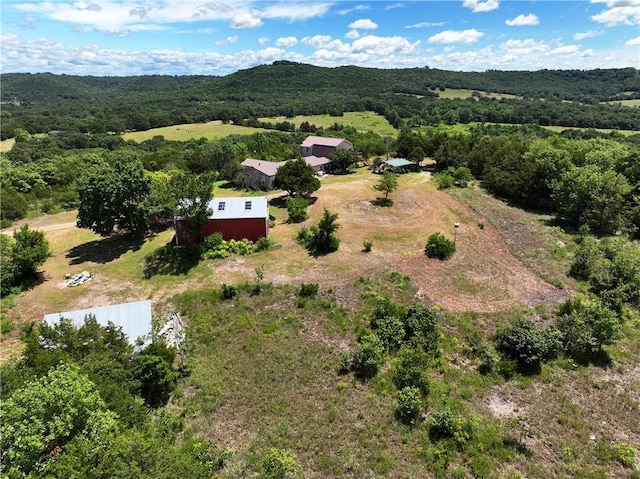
<point>439,247</point>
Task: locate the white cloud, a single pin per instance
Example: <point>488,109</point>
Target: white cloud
<point>352,34</point>
<point>228,40</point>
<point>357,8</point>
<point>465,37</point>
<point>590,34</point>
<point>263,40</point>
<point>565,50</point>
<point>375,45</point>
<point>588,53</point>
<point>619,12</point>
<point>318,42</point>
<point>286,42</point>
<point>478,6</point>
<point>633,42</point>
<point>425,25</point>
<point>363,24</point>
<point>245,20</point>
<point>120,15</point>
<point>523,20</point>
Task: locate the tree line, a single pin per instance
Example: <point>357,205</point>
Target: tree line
<point>44,102</point>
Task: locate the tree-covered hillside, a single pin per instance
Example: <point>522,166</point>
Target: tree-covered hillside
<point>40,103</point>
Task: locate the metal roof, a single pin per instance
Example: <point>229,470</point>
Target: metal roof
<point>399,162</point>
<point>313,161</point>
<point>239,207</point>
<point>133,318</point>
<point>324,141</point>
<point>268,168</point>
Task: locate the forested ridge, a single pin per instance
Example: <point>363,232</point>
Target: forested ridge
<point>39,103</point>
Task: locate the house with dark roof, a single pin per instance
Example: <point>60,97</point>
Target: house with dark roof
<point>236,218</point>
<point>323,146</point>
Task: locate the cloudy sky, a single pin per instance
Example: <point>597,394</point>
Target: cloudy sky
<point>179,37</point>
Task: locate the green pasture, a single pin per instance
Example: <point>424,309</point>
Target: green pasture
<point>211,131</point>
<point>360,120</point>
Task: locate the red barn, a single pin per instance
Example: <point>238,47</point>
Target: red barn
<point>235,218</point>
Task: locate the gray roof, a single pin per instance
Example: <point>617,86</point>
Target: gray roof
<point>268,168</point>
<point>239,207</point>
<point>399,162</point>
<point>133,318</point>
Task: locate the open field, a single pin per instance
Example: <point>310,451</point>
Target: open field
<point>210,130</point>
<point>363,121</point>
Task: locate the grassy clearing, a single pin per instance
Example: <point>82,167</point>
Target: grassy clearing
<point>211,131</point>
<point>6,145</point>
<point>631,103</point>
<point>363,121</point>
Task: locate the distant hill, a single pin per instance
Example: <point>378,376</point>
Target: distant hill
<point>44,101</point>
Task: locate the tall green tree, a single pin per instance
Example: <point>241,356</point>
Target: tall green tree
<point>114,197</point>
<point>7,267</point>
<point>39,419</point>
<point>296,177</point>
<point>590,196</point>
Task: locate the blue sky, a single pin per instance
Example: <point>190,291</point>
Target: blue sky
<point>180,37</point>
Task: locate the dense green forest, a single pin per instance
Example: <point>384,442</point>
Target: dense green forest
<point>39,103</point>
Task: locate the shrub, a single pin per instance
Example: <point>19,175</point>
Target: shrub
<point>263,244</point>
<point>422,328</point>
<point>409,409</point>
<point>439,247</point>
<point>308,290</point>
<point>367,245</point>
<point>410,370</point>
<point>297,209</point>
<point>367,356</point>
<point>278,464</point>
<point>445,425</point>
<point>527,344</point>
<point>585,327</point>
<point>229,291</point>
<point>390,330</point>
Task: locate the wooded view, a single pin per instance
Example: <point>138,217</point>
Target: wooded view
<point>475,315</point>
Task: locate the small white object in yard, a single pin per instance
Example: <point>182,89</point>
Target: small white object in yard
<point>79,279</point>
<point>592,437</point>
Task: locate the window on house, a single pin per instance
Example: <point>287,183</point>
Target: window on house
<point>247,205</point>
<point>221,206</point>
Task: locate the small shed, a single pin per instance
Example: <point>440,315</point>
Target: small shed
<point>323,146</point>
<point>134,319</point>
<point>236,218</point>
